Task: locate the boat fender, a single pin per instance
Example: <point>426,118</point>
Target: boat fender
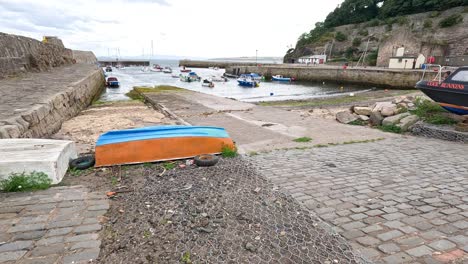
<point>83,163</point>
<point>206,160</point>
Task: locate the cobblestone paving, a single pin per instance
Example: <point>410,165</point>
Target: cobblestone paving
<point>397,200</point>
<point>59,225</point>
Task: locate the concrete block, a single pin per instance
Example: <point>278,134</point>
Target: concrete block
<point>41,155</point>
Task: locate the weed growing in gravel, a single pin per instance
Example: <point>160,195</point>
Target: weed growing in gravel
<point>168,165</point>
<point>358,122</point>
<point>431,112</point>
<point>146,234</point>
<point>391,128</point>
<point>320,146</point>
<point>228,151</point>
<point>114,181</point>
<point>303,139</point>
<point>186,258</point>
<point>20,182</point>
<point>147,165</point>
<point>253,153</point>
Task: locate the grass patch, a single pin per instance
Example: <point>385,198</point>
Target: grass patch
<point>302,139</point>
<point>358,122</point>
<point>338,100</point>
<point>320,146</point>
<point>135,95</point>
<point>168,165</point>
<point>186,258</point>
<point>431,112</point>
<point>253,153</point>
<point>391,128</point>
<point>228,151</point>
<point>20,182</point>
<point>156,89</point>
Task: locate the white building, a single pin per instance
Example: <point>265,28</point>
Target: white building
<point>406,61</point>
<point>313,59</point>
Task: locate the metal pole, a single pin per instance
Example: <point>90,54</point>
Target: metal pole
<point>256,56</point>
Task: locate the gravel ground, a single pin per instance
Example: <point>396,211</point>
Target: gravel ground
<point>222,214</point>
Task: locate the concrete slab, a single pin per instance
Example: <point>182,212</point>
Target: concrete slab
<point>41,155</point>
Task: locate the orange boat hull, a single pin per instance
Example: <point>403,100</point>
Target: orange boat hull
<point>160,149</point>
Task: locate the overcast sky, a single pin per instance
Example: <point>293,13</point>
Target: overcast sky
<point>191,28</point>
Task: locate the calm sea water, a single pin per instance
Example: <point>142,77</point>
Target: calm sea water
<point>268,91</point>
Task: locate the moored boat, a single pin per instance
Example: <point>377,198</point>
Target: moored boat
<point>281,78</point>
<point>185,70</point>
<point>112,82</point>
<point>246,80</point>
<point>159,143</point>
<point>208,83</point>
<point>449,91</point>
<point>191,77</point>
<point>167,70</point>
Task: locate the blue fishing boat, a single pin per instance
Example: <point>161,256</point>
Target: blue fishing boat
<point>158,143</point>
<point>281,78</point>
<point>191,77</point>
<point>246,80</point>
<point>449,91</point>
<point>112,82</point>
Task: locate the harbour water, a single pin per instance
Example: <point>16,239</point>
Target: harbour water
<point>268,91</point>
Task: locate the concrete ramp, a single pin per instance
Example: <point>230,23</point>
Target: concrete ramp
<point>41,155</point>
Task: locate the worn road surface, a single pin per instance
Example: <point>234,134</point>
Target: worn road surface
<point>400,199</point>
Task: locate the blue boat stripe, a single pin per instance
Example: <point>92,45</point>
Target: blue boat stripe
<point>155,132</point>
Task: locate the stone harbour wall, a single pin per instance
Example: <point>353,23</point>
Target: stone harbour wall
<point>81,56</point>
<point>384,78</point>
<point>22,54</point>
<point>45,119</point>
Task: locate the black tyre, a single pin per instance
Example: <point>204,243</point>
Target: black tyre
<point>82,163</point>
<point>206,160</point>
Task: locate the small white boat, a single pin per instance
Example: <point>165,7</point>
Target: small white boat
<point>207,83</point>
<point>175,75</point>
<point>167,70</point>
<point>145,69</point>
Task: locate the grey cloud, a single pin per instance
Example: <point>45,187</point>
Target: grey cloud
<point>42,16</point>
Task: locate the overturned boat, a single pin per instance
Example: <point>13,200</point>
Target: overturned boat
<point>449,91</point>
<point>159,143</point>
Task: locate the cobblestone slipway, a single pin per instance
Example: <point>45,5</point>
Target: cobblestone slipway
<point>59,225</point>
<point>400,200</point>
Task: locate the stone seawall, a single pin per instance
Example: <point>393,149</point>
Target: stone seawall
<point>384,78</point>
<point>81,56</point>
<point>219,64</point>
<point>19,55</point>
<point>43,118</point>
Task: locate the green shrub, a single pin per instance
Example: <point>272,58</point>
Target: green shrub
<point>391,128</point>
<point>228,151</point>
<point>389,27</point>
<point>434,14</point>
<point>364,32</point>
<point>339,36</point>
<point>451,21</point>
<point>20,182</point>
<point>349,53</point>
<point>373,23</point>
<point>371,58</point>
<point>357,42</point>
<point>427,23</point>
<point>402,21</point>
<point>465,10</point>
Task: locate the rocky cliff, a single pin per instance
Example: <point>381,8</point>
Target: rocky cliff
<point>21,54</point>
<point>419,34</point>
